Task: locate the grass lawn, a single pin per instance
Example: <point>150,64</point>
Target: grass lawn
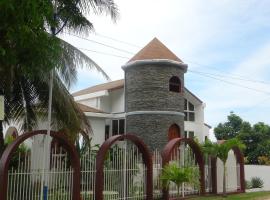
<point>246,196</point>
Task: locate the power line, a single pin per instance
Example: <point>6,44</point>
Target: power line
<point>116,40</point>
<point>100,43</point>
<point>242,78</point>
<point>214,68</point>
<point>232,83</point>
<point>103,53</point>
<point>235,76</point>
<point>231,77</point>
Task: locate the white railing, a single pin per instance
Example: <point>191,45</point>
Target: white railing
<point>124,175</point>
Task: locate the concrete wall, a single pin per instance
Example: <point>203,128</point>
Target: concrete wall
<point>105,104</point>
<point>117,100</point>
<point>98,127</point>
<point>94,102</point>
<point>261,171</point>
<point>231,179</point>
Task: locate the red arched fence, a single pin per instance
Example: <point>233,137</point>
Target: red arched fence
<point>147,159</point>
<point>166,156</point>
<point>100,158</point>
<point>7,155</point>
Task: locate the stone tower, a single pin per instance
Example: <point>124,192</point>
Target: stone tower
<point>154,99</point>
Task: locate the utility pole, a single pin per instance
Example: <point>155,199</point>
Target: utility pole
<point>46,141</point>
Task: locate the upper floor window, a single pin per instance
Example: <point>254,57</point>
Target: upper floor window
<point>189,111</point>
<point>175,84</point>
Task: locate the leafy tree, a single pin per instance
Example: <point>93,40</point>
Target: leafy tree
<point>257,141</point>
<point>221,151</point>
<point>229,129</point>
<point>28,52</point>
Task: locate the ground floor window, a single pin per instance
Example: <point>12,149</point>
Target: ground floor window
<point>118,126</point>
<point>189,134</point>
<point>107,132</point>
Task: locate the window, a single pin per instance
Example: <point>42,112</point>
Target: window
<point>114,127</point>
<point>189,111</point>
<point>107,132</point>
<point>175,84</point>
<point>118,126</point>
<point>191,134</point>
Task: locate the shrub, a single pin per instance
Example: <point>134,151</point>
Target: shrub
<point>256,182</point>
<point>263,160</point>
<point>248,184</point>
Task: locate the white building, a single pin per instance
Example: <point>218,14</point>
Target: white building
<point>104,106</point>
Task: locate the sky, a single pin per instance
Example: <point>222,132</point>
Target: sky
<point>226,44</point>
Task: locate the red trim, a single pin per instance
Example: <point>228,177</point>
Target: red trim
<point>166,156</point>
<point>7,155</point>
<point>146,155</point>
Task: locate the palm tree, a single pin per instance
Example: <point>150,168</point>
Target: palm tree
<point>179,175</point>
<point>221,151</point>
<point>25,76</point>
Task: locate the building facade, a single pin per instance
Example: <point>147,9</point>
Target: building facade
<point>151,101</point>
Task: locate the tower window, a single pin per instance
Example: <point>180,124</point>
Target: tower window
<point>175,84</point>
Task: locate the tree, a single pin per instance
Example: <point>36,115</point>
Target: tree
<point>179,175</point>
<point>28,52</point>
<point>229,129</point>
<point>221,151</point>
<point>257,141</point>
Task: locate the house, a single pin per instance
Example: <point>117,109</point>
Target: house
<point>150,101</point>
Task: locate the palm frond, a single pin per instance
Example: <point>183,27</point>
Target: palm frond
<point>72,59</point>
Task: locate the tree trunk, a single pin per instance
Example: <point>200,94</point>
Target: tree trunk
<point>224,179</point>
<point>2,143</point>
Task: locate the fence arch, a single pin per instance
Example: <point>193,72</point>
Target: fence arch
<point>7,155</point>
<point>240,159</point>
<point>166,156</point>
<point>147,159</point>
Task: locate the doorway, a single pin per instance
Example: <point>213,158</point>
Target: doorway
<point>174,132</point>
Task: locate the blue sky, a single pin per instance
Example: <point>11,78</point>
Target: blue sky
<point>226,38</point>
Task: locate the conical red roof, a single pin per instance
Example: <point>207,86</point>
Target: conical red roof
<point>155,50</point>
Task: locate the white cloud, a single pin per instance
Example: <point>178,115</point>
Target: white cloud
<point>207,32</point>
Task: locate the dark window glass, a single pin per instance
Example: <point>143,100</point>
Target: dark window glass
<point>185,134</point>
<point>190,106</point>
<point>121,126</point>
<point>191,116</point>
<point>186,116</point>
<point>185,104</point>
<point>191,134</point>
<point>107,132</point>
<point>175,84</point>
<point>115,127</point>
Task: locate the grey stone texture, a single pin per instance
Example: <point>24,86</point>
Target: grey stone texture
<point>153,129</point>
<point>147,89</point>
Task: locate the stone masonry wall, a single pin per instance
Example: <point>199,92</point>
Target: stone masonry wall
<point>147,89</point>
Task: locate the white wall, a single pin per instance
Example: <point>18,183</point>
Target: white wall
<point>231,180</point>
<point>98,127</point>
<point>94,102</point>
<point>117,100</point>
<point>105,104</point>
<point>261,171</point>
